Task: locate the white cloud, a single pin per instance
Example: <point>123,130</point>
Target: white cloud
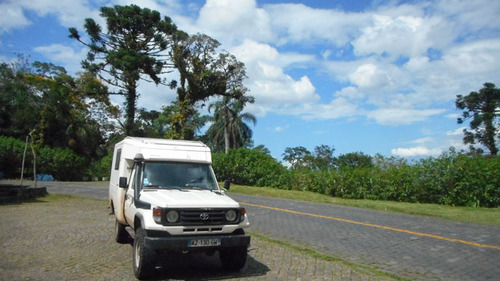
<point>233,21</point>
<point>268,82</point>
<point>418,151</point>
<point>350,93</point>
<point>12,16</point>
<point>69,12</point>
<point>401,116</point>
<point>423,140</point>
<point>433,146</point>
<point>470,18</point>
<point>453,116</point>
<point>407,34</point>
<point>59,53</point>
<point>279,129</point>
<point>63,55</point>
<point>297,23</point>
<point>337,108</point>
<point>474,58</point>
<point>369,76</point>
<point>457,132</point>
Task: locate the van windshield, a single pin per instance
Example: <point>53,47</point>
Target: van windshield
<point>168,175</point>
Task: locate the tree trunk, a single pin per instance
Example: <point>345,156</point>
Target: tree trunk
<point>226,139</point>
<point>131,99</point>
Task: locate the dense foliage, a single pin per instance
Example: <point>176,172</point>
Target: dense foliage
<point>451,179</point>
<point>62,163</point>
<point>249,167</point>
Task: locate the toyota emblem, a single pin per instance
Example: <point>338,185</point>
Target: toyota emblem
<point>204,216</point>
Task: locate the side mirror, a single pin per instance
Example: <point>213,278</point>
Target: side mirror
<point>227,184</point>
<point>122,182</point>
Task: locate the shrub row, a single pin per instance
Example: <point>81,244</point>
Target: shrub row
<point>249,167</point>
<point>451,179</point>
<point>62,163</point>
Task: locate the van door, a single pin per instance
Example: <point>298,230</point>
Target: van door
<point>129,208</point>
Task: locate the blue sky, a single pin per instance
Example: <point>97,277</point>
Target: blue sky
<point>362,76</point>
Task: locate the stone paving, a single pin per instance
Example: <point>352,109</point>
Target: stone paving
<point>401,244</point>
<point>72,239</point>
<point>406,254</point>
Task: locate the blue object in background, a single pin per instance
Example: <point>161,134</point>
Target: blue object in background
<point>44,177</point>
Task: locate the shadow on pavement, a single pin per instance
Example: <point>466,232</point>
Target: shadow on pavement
<point>199,266</point>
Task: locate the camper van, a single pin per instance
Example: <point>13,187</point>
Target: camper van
<point>165,197</point>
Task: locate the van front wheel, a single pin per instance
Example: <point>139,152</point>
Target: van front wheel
<point>142,257</point>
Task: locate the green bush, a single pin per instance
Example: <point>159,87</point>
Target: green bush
<point>101,168</point>
<point>249,167</point>
<point>62,163</point>
<point>450,179</point>
<point>11,157</point>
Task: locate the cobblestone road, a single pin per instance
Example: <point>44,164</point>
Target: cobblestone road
<point>72,239</point>
<point>412,247</point>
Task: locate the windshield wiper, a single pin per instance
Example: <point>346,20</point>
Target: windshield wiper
<point>173,187</point>
<point>196,187</point>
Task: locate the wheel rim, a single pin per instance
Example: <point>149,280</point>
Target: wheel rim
<point>137,258</point>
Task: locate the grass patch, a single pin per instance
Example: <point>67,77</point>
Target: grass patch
<point>485,216</point>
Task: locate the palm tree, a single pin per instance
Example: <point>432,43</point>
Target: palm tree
<point>229,127</point>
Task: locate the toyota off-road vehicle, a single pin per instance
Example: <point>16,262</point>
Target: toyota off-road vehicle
<point>165,196</point>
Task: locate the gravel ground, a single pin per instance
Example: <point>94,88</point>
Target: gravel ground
<point>71,238</point>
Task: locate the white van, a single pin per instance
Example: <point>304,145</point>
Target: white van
<point>165,196</point>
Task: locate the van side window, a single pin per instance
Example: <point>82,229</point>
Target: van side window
<point>117,158</point>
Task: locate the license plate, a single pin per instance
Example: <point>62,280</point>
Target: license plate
<point>204,242</point>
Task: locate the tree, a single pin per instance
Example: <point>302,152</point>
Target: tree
<point>19,106</point>
<point>158,123</point>
<point>355,160</point>
<point>262,149</point>
<point>295,156</point>
<point>229,127</point>
<point>58,109</point>
<point>203,73</point>
<point>323,158</point>
<point>301,158</point>
<point>483,108</point>
<point>65,108</point>
<point>133,47</point>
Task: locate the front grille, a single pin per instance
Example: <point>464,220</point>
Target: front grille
<point>202,217</point>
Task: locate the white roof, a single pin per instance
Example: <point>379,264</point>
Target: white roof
<point>169,150</point>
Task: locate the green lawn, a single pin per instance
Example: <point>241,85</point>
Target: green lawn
<point>486,216</point>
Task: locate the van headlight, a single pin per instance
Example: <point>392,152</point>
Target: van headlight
<point>172,216</point>
<point>231,216</point>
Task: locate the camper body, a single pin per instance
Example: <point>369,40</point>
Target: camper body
<point>165,196</point>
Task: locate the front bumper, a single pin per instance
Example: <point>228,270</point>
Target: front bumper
<point>181,243</point>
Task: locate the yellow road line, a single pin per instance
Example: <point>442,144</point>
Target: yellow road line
<point>376,226</point>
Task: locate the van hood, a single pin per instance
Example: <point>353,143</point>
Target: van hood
<point>173,198</point>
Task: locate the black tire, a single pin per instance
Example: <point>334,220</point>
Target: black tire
<point>143,259</point>
<point>233,258</point>
<point>121,235</point>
